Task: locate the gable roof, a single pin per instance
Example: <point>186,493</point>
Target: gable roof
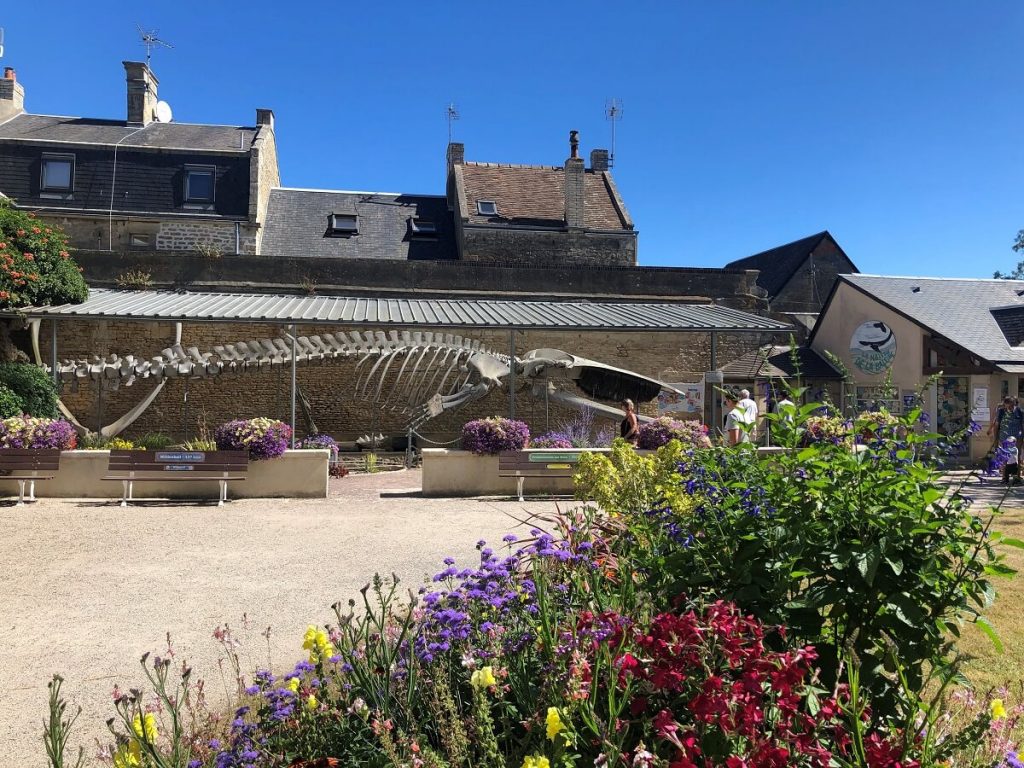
<point>776,362</point>
<point>296,225</point>
<point>778,265</point>
<point>535,195</point>
<point>962,310</point>
<point>52,129</point>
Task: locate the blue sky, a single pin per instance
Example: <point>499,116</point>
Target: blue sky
<point>746,124</point>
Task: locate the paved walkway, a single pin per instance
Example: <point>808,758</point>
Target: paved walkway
<point>87,587</point>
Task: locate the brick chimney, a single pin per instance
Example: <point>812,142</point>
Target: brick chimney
<point>574,184</point>
<point>456,154</point>
<point>12,95</point>
<point>598,160</point>
<point>265,117</point>
<point>142,99</point>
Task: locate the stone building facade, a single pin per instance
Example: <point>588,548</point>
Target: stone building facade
<point>142,183</point>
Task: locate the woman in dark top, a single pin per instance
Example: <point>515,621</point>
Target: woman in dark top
<point>629,429</point>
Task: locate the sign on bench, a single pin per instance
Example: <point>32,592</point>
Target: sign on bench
<point>26,465</point>
<point>131,467</point>
<point>537,463</point>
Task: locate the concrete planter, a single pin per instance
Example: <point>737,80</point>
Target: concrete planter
<point>296,475</point>
<point>461,473</point>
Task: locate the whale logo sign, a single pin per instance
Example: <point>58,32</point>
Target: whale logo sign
<point>873,347</point>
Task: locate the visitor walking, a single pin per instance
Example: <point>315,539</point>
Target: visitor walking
<point>735,423</point>
<point>749,408</point>
<point>629,429</point>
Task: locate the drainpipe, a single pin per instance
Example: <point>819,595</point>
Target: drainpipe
<point>238,237</point>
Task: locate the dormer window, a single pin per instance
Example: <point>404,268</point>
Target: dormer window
<point>199,184</point>
<point>342,224</point>
<point>487,207</point>
<point>57,173</point>
<point>423,229</point>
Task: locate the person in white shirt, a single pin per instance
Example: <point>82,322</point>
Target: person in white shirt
<point>749,408</point>
<point>734,431</point>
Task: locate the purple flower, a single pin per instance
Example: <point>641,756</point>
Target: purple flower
<point>657,433</point>
<point>263,438</point>
<point>494,435</point>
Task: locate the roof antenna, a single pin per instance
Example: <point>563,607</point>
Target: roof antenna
<point>1,42</point>
<point>451,113</point>
<point>613,112</point>
<point>150,40</point>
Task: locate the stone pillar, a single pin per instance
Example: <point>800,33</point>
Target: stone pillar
<point>142,85</point>
<point>12,95</point>
<point>574,171</point>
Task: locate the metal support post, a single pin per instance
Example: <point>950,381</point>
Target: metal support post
<point>184,411</point>
<point>53,354</point>
<point>294,384</point>
<point>713,366</point>
<point>512,374</point>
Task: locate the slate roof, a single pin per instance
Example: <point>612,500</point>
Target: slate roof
<point>776,362</point>
<point>368,312</point>
<point>778,264</point>
<point>50,129</point>
<point>535,195</point>
<point>960,310</point>
<point>296,225</point>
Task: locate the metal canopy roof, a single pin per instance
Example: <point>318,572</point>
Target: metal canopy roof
<point>107,304</point>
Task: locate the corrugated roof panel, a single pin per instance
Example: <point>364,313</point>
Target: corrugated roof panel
<point>467,313</point>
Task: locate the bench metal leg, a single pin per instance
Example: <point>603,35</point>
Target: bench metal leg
<point>126,494</point>
<point>21,493</point>
<point>223,493</point>
<point>519,486</point>
<point>31,490</point>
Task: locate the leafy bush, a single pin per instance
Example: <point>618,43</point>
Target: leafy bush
<point>335,467</point>
<point>30,432</point>
<point>625,482</point>
<point>199,444</point>
<point>34,386</point>
<point>654,434</point>
<point>263,438</point>
<point>35,266</point>
<point>10,403</point>
<point>494,435</point>
<point>154,441</point>
<point>97,442</point>
<point>551,440</point>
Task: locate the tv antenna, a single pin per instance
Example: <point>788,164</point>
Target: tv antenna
<point>451,113</point>
<point>1,42</point>
<point>151,41</point>
<point>613,112</point>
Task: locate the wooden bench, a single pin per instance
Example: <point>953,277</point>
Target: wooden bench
<point>132,467</point>
<point>539,462</point>
<point>26,465</point>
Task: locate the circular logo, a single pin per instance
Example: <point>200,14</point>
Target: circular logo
<point>873,347</point>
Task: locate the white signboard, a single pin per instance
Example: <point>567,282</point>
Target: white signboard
<point>872,347</point>
<point>980,399</point>
<point>691,402</point>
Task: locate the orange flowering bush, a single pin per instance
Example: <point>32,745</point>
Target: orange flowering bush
<point>35,264</point>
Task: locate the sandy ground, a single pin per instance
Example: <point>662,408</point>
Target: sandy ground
<point>87,587</point>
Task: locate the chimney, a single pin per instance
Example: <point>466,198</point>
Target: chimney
<point>142,99</point>
<point>12,95</point>
<point>265,117</point>
<point>574,184</point>
<point>598,160</point>
<point>456,154</point>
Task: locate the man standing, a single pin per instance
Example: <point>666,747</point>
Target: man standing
<point>749,409</point>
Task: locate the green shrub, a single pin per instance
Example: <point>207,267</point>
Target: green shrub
<point>35,265</point>
<point>10,403</point>
<point>98,442</point>
<point>154,441</point>
<point>34,386</point>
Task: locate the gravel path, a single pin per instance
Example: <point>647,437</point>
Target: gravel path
<point>87,587</point>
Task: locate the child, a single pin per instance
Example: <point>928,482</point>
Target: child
<point>1011,469</point>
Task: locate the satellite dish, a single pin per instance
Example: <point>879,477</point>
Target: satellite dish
<point>163,112</point>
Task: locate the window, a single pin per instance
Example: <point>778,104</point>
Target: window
<point>140,240</point>
<point>423,229</point>
<point>487,207</point>
<point>199,184</point>
<point>342,224</point>
<point>874,398</point>
<point>58,173</point>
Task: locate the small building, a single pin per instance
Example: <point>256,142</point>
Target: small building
<point>141,183</point>
<point>766,370</point>
<point>960,342</point>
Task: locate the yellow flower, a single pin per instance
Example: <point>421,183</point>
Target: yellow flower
<point>555,724</point>
<point>293,684</point>
<point>149,723</point>
<point>128,755</point>
<point>996,709</point>
<point>483,678</point>
<point>318,643</point>
<point>536,761</point>
<point>311,702</point>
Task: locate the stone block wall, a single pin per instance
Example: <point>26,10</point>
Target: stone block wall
<point>97,233</point>
<point>809,288</point>
<point>554,248</point>
<point>182,408</point>
<point>202,235</point>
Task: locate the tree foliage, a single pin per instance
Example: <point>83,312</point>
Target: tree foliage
<point>35,265</point>
<point>1018,271</point>
<point>33,388</point>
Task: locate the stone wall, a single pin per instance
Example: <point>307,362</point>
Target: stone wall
<point>97,232</point>
<point>183,407</point>
<point>264,175</point>
<point>809,288</point>
<point>205,237</point>
<point>503,245</point>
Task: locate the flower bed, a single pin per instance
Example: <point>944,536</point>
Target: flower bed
<point>654,434</point>
<point>494,435</point>
<point>30,432</point>
<point>263,438</point>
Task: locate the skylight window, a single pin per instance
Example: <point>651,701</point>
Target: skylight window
<point>342,224</point>
<point>58,173</point>
<point>424,229</point>
<point>487,207</point>
<point>199,184</point>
